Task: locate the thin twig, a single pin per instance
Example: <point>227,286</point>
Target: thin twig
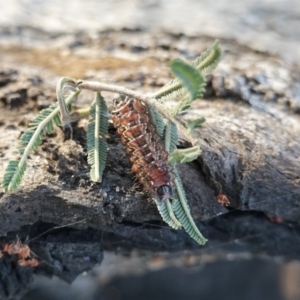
<point>56,227</point>
<point>168,89</point>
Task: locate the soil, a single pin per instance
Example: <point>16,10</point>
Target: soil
<point>250,153</point>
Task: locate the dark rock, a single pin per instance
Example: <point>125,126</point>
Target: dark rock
<point>14,279</point>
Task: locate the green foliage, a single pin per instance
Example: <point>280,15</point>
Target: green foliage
<point>178,214</point>
<point>165,210</point>
<point>41,125</point>
<point>205,63</point>
<point>184,104</point>
<point>190,77</point>
<point>50,117</point>
<point>182,212</point>
<point>196,123</point>
<point>13,175</point>
<point>157,120</point>
<point>184,155</point>
<point>171,136</point>
<point>96,141</point>
<point>208,59</point>
<point>187,86</point>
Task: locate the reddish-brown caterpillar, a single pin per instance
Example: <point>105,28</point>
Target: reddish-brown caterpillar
<point>144,147</point>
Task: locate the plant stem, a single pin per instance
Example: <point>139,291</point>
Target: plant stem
<point>99,86</point>
<point>207,61</point>
<point>150,101</point>
<point>64,114</point>
<point>79,114</point>
<point>167,90</point>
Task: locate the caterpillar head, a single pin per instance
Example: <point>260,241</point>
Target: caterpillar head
<point>164,192</point>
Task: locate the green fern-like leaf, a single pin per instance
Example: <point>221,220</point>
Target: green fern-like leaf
<point>184,155</point>
<point>184,104</point>
<point>164,207</point>
<point>171,137</point>
<point>178,214</point>
<point>13,175</point>
<point>205,63</point>
<point>179,209</point>
<point>193,81</point>
<point>183,214</point>
<point>96,141</point>
<point>166,212</point>
<point>50,124</point>
<point>44,123</point>
<point>191,78</point>
<point>208,59</point>
<point>195,123</point>
<point>157,120</point>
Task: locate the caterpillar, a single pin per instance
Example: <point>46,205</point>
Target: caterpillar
<point>144,147</point>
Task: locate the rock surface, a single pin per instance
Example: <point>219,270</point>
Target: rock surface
<point>250,152</point>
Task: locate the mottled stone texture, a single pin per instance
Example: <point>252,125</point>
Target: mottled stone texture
<point>250,154</point>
